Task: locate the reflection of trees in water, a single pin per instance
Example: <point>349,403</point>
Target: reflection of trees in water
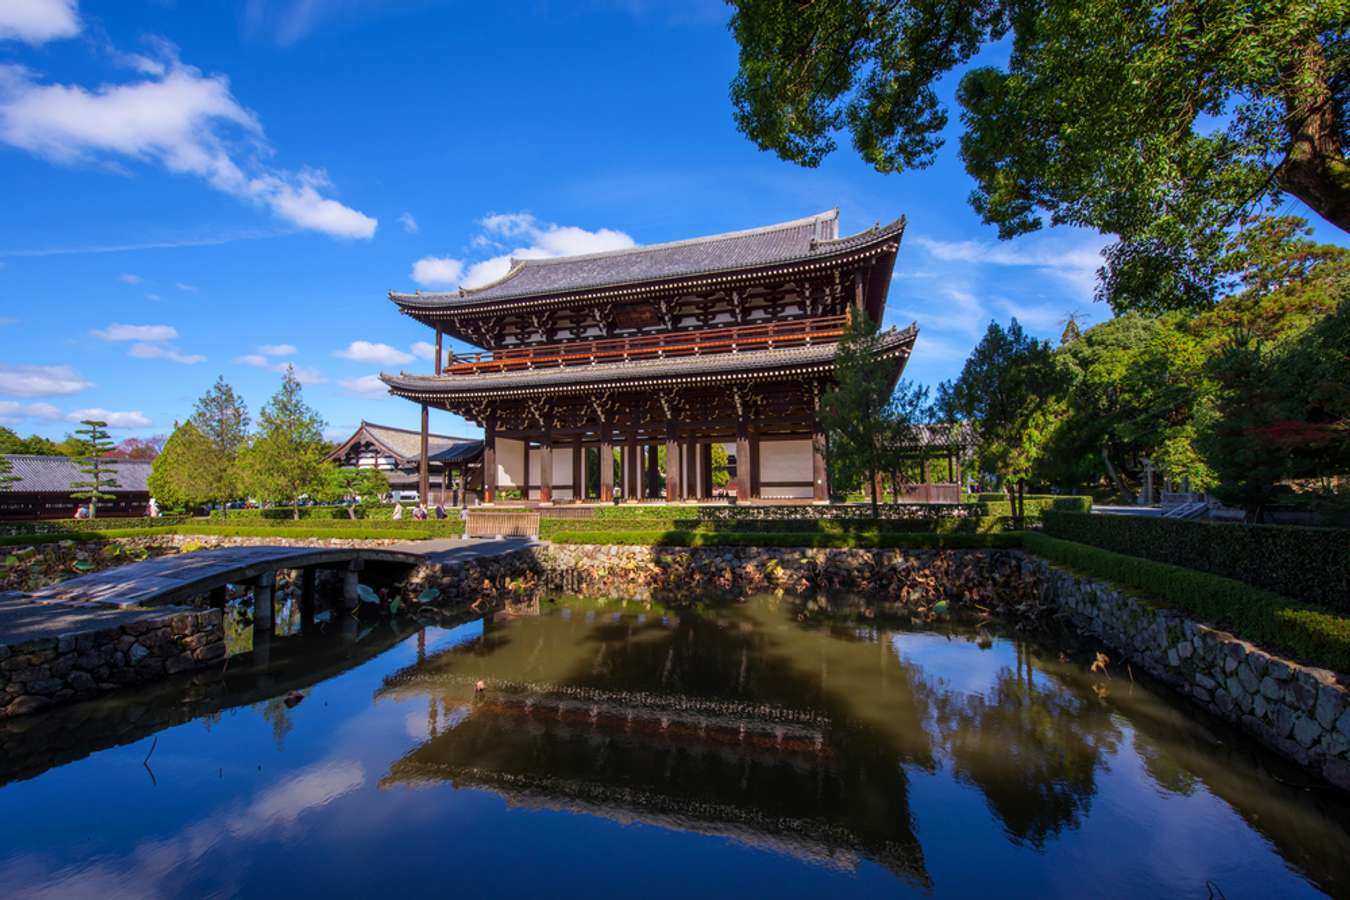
<point>1030,745</point>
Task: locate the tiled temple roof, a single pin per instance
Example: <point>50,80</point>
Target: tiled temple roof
<point>809,238</point>
<point>713,368</point>
<point>406,444</point>
<point>53,474</point>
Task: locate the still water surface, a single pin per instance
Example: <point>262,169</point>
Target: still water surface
<point>617,751</point>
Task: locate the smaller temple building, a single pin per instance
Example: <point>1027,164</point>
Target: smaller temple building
<point>454,464</point>
<point>44,488</point>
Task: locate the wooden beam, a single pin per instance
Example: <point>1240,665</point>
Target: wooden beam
<point>439,357</point>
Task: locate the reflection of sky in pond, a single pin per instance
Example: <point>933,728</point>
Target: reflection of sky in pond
<point>1020,780</point>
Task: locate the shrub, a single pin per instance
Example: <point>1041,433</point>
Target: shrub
<point>780,512</point>
<point>964,525</point>
<point>676,538</point>
<point>310,513</point>
<point>1309,564</point>
<point>67,526</point>
<point>1034,505</point>
<point>1310,633</point>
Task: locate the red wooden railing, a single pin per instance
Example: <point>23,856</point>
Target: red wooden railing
<point>768,336</point>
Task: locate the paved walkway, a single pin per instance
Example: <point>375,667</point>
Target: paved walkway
<point>142,590</point>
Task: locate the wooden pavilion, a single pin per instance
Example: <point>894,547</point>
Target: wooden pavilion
<point>659,351</point>
<point>453,462</point>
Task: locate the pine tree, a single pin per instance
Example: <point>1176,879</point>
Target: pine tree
<point>190,471</point>
<point>221,416</point>
<point>99,472</point>
<point>285,460</point>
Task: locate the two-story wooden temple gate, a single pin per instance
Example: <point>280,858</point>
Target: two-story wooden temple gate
<point>665,349</point>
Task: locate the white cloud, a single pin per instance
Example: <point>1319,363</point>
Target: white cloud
<point>119,332</point>
<point>176,116</point>
<point>40,381</point>
<point>188,288</point>
<point>302,374</point>
<point>38,21</point>
<point>380,354</point>
<point>434,271</point>
<point>424,350</point>
<point>174,244</point>
<point>1072,258</point>
<point>12,412</point>
<point>369,386</point>
<point>253,359</point>
<point>957,309</point>
<point>131,419</point>
<point>154,297</point>
<point>533,240</point>
<point>277,350</point>
<point>408,222</point>
<point>159,351</point>
<point>129,278</point>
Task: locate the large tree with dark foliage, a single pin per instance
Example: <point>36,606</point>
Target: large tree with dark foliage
<point>1166,125</point>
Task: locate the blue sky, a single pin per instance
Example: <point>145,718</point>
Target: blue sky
<point>196,189</point>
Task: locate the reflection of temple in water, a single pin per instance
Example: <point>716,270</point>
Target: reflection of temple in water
<point>683,724</point>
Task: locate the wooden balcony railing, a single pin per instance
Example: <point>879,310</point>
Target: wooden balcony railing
<point>768,336</point>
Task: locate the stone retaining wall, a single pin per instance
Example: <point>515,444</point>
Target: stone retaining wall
<point>41,672</point>
<point>1300,712</point>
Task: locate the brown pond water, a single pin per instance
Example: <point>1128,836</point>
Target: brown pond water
<point>619,750</point>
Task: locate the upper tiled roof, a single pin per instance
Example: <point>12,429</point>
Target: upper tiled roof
<point>54,474</point>
<point>806,238</point>
<point>405,443</point>
<point>725,366</point>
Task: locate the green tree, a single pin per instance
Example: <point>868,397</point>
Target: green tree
<point>368,486</point>
<point>1004,392</point>
<point>1165,125</point>
<point>285,460</point>
<point>190,471</point>
<point>222,416</point>
<point>34,445</point>
<point>99,472</point>
<point>7,477</point>
<point>864,418</point>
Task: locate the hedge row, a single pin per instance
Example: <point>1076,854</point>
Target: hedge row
<point>1033,505</point>
<point>1312,634</point>
<point>314,513</point>
<point>66,526</point>
<point>1309,564</point>
<point>868,540</point>
<point>964,525</point>
<point>336,527</point>
<point>364,532</point>
<point>779,512</point>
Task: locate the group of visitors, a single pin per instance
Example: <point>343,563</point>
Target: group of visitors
<point>420,512</point>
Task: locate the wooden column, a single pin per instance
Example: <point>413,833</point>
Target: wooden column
<point>262,603</point>
<point>691,469</point>
<point>489,460</point>
<point>525,479</point>
<point>754,464</point>
<point>578,456</point>
<point>653,488</point>
<point>423,464</point>
<point>705,477</point>
<point>820,473</point>
<point>606,464</point>
<point>924,464</point>
<point>308,578</point>
<point>672,464</point>
<point>438,351</point>
<point>546,466</point>
<point>743,461</point>
<point>631,479</point>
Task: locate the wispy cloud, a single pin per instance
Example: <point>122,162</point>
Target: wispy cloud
<point>159,351</point>
<point>424,350</point>
<point>530,239</point>
<point>129,278</point>
<point>379,354</point>
<point>12,412</point>
<point>168,244</point>
<point>40,381</point>
<point>38,21</point>
<point>131,419</point>
<point>178,117</point>
<point>368,386</point>
<point>120,332</point>
<point>1075,259</point>
<point>263,359</point>
<point>408,222</point>
<point>277,350</point>
<point>185,287</point>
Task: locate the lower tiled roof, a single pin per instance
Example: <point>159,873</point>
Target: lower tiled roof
<point>54,474</point>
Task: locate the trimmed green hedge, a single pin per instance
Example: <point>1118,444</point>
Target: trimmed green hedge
<point>66,526</point>
<point>314,513</point>
<point>1309,564</point>
<point>675,538</point>
<point>963,525</point>
<point>1313,634</point>
<point>1034,505</point>
<point>365,532</point>
<point>771,513</point>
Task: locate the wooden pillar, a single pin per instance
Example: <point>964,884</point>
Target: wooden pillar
<point>653,473</point>
<point>743,461</point>
<point>606,463</point>
<point>631,478</point>
<point>754,464</point>
<point>438,351</point>
<point>423,464</point>
<point>351,580</point>
<point>672,464</point>
<point>489,460</point>
<point>820,473</point>
<point>546,466</point>
<point>705,474</point>
<point>308,579</point>
<point>578,486</point>
<point>859,304</point>
<point>525,482</point>
<point>691,469</point>
<point>262,603</point>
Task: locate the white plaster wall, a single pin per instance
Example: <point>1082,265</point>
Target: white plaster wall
<point>510,462</point>
<point>785,461</point>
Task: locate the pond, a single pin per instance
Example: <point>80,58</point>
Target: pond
<point>609,749</point>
